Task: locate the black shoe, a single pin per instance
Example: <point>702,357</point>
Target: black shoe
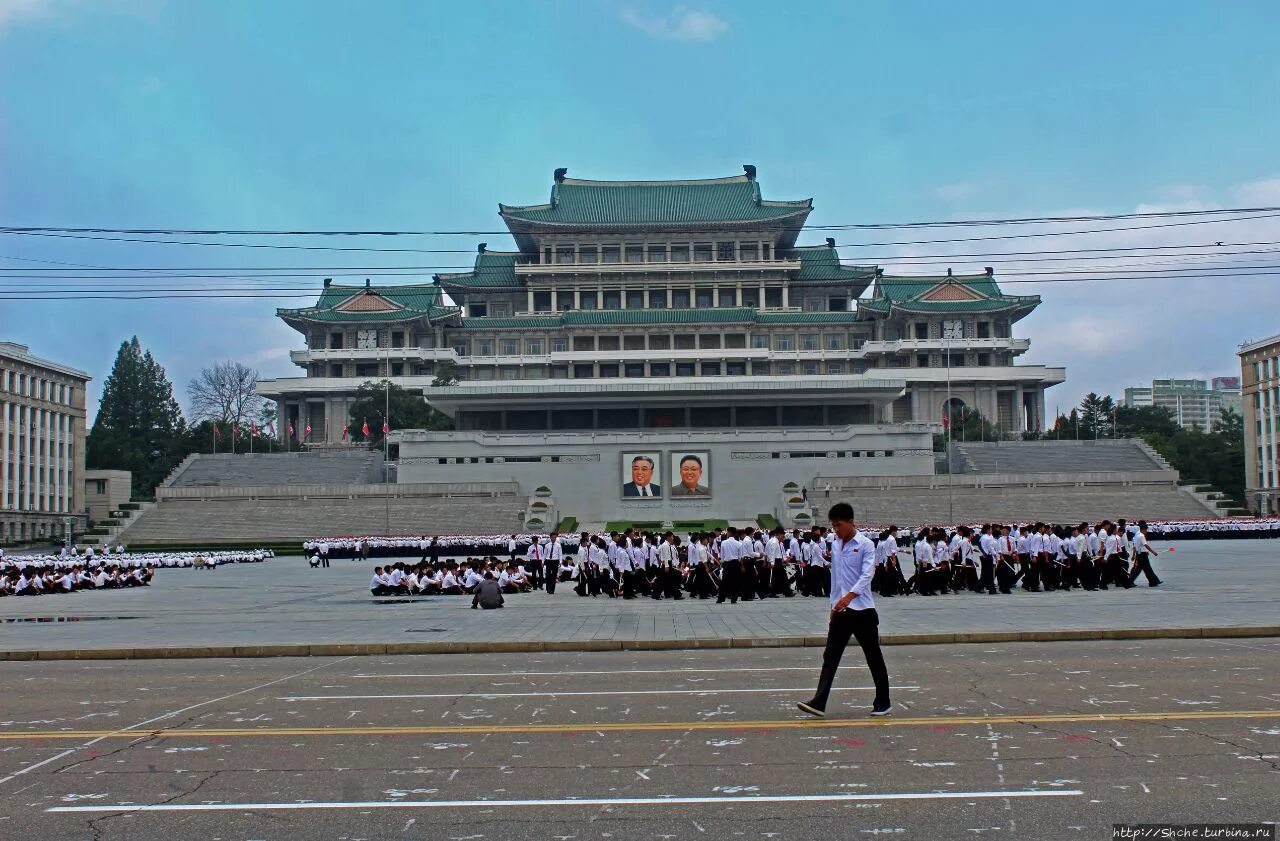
<point>882,710</point>
<point>1157,584</point>
<point>816,712</point>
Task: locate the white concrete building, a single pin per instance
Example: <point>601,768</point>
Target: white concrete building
<point>1260,391</point>
<point>42,435</point>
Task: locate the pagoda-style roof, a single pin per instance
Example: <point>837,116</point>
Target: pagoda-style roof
<point>495,271</point>
<point>340,304</point>
<point>942,294</point>
<point>820,266</point>
<point>695,205</point>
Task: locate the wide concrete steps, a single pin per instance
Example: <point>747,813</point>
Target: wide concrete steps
<point>360,467</point>
<point>274,520</point>
<point>1066,505</point>
<point>1056,457</point>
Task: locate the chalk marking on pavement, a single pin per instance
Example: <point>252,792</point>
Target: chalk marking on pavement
<point>599,801</point>
<point>133,732</point>
<point>593,693</point>
<point>627,727</point>
<point>606,672</point>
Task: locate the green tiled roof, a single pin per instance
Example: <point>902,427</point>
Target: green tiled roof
<point>409,302</point>
<point>807,317</point>
<point>907,293</point>
<point>494,270</point>
<point>582,203</point>
<point>520,322</point>
<point>710,315</point>
<point>820,266</point>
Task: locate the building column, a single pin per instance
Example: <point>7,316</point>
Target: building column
<point>38,484</point>
<point>4,457</point>
<point>577,298</point>
<point>914,394</point>
<point>529,308</point>
<point>1019,410</point>
<point>785,296</point>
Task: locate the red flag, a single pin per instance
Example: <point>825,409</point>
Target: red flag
<point>946,420</point>
<point>344,432</point>
<point>307,434</point>
<point>235,430</point>
<point>253,430</point>
<point>290,429</point>
<point>217,433</point>
<point>386,427</point>
<point>364,429</point>
<point>271,429</point>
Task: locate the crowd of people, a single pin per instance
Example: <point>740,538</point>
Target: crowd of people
<point>748,564</point>
<point>365,547</point>
<point>73,570</point>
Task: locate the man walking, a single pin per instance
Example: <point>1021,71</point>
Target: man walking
<point>853,612</point>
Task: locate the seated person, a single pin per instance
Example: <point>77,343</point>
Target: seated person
<point>488,594</point>
<point>380,583</point>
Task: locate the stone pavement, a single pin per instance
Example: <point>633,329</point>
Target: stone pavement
<point>1209,585</point>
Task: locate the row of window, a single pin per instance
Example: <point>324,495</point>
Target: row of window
<point>29,385</point>
<point>590,370</point>
<point>719,251</point>
<point>1267,368</point>
<point>657,342</point>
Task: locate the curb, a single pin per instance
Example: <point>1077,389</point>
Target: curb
<point>510,647</point>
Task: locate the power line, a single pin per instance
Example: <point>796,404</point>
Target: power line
<point>849,226</point>
<point>685,231</point>
<point>286,292</point>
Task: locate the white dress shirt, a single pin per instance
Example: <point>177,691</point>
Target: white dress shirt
<point>853,562</point>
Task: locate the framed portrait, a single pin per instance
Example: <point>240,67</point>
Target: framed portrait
<point>690,474</point>
<point>641,475</point>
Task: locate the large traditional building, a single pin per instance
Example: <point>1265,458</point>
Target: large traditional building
<point>42,433</point>
<point>672,308</point>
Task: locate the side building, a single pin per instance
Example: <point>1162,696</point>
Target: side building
<point>42,446</point>
<point>1260,393</point>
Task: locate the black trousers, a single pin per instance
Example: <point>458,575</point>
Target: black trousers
<point>1143,565</point>
<point>987,580</point>
<point>864,626</point>
<point>552,572</point>
<point>730,581</point>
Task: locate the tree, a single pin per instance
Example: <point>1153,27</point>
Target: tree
<point>1097,416</point>
<point>226,392</point>
<point>139,426</point>
<point>409,410</point>
<point>446,374</point>
<point>1143,421</point>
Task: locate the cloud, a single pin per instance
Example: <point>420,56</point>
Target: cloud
<point>957,191</point>
<point>680,24</point>
<point>1259,193</point>
<point>16,10</point>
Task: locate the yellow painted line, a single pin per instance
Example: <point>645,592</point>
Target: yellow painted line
<point>631,727</point>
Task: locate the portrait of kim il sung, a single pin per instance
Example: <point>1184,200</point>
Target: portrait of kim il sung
<point>641,475</point>
<point>692,470</point>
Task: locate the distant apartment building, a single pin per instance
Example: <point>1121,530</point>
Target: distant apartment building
<point>42,434</point>
<point>1260,394</point>
<point>1191,402</point>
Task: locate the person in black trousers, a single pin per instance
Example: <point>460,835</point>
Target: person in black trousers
<point>853,612</point>
<point>1141,558</point>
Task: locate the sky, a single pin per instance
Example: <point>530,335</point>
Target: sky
<point>321,115</point>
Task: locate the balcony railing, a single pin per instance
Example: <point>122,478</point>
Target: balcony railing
<point>536,268</point>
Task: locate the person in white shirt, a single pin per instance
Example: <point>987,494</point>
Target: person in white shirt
<point>853,612</point>
<point>730,567</point>
<point>380,584</point>
<point>1141,557</point>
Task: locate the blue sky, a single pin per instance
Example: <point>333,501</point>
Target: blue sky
<point>320,115</point>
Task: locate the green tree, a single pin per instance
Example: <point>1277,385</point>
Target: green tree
<point>139,426</point>
<point>1142,421</point>
<point>446,374</point>
<point>409,410</point>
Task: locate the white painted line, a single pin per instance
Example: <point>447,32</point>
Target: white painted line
<point>615,672</point>
<point>594,693</point>
<point>602,801</point>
